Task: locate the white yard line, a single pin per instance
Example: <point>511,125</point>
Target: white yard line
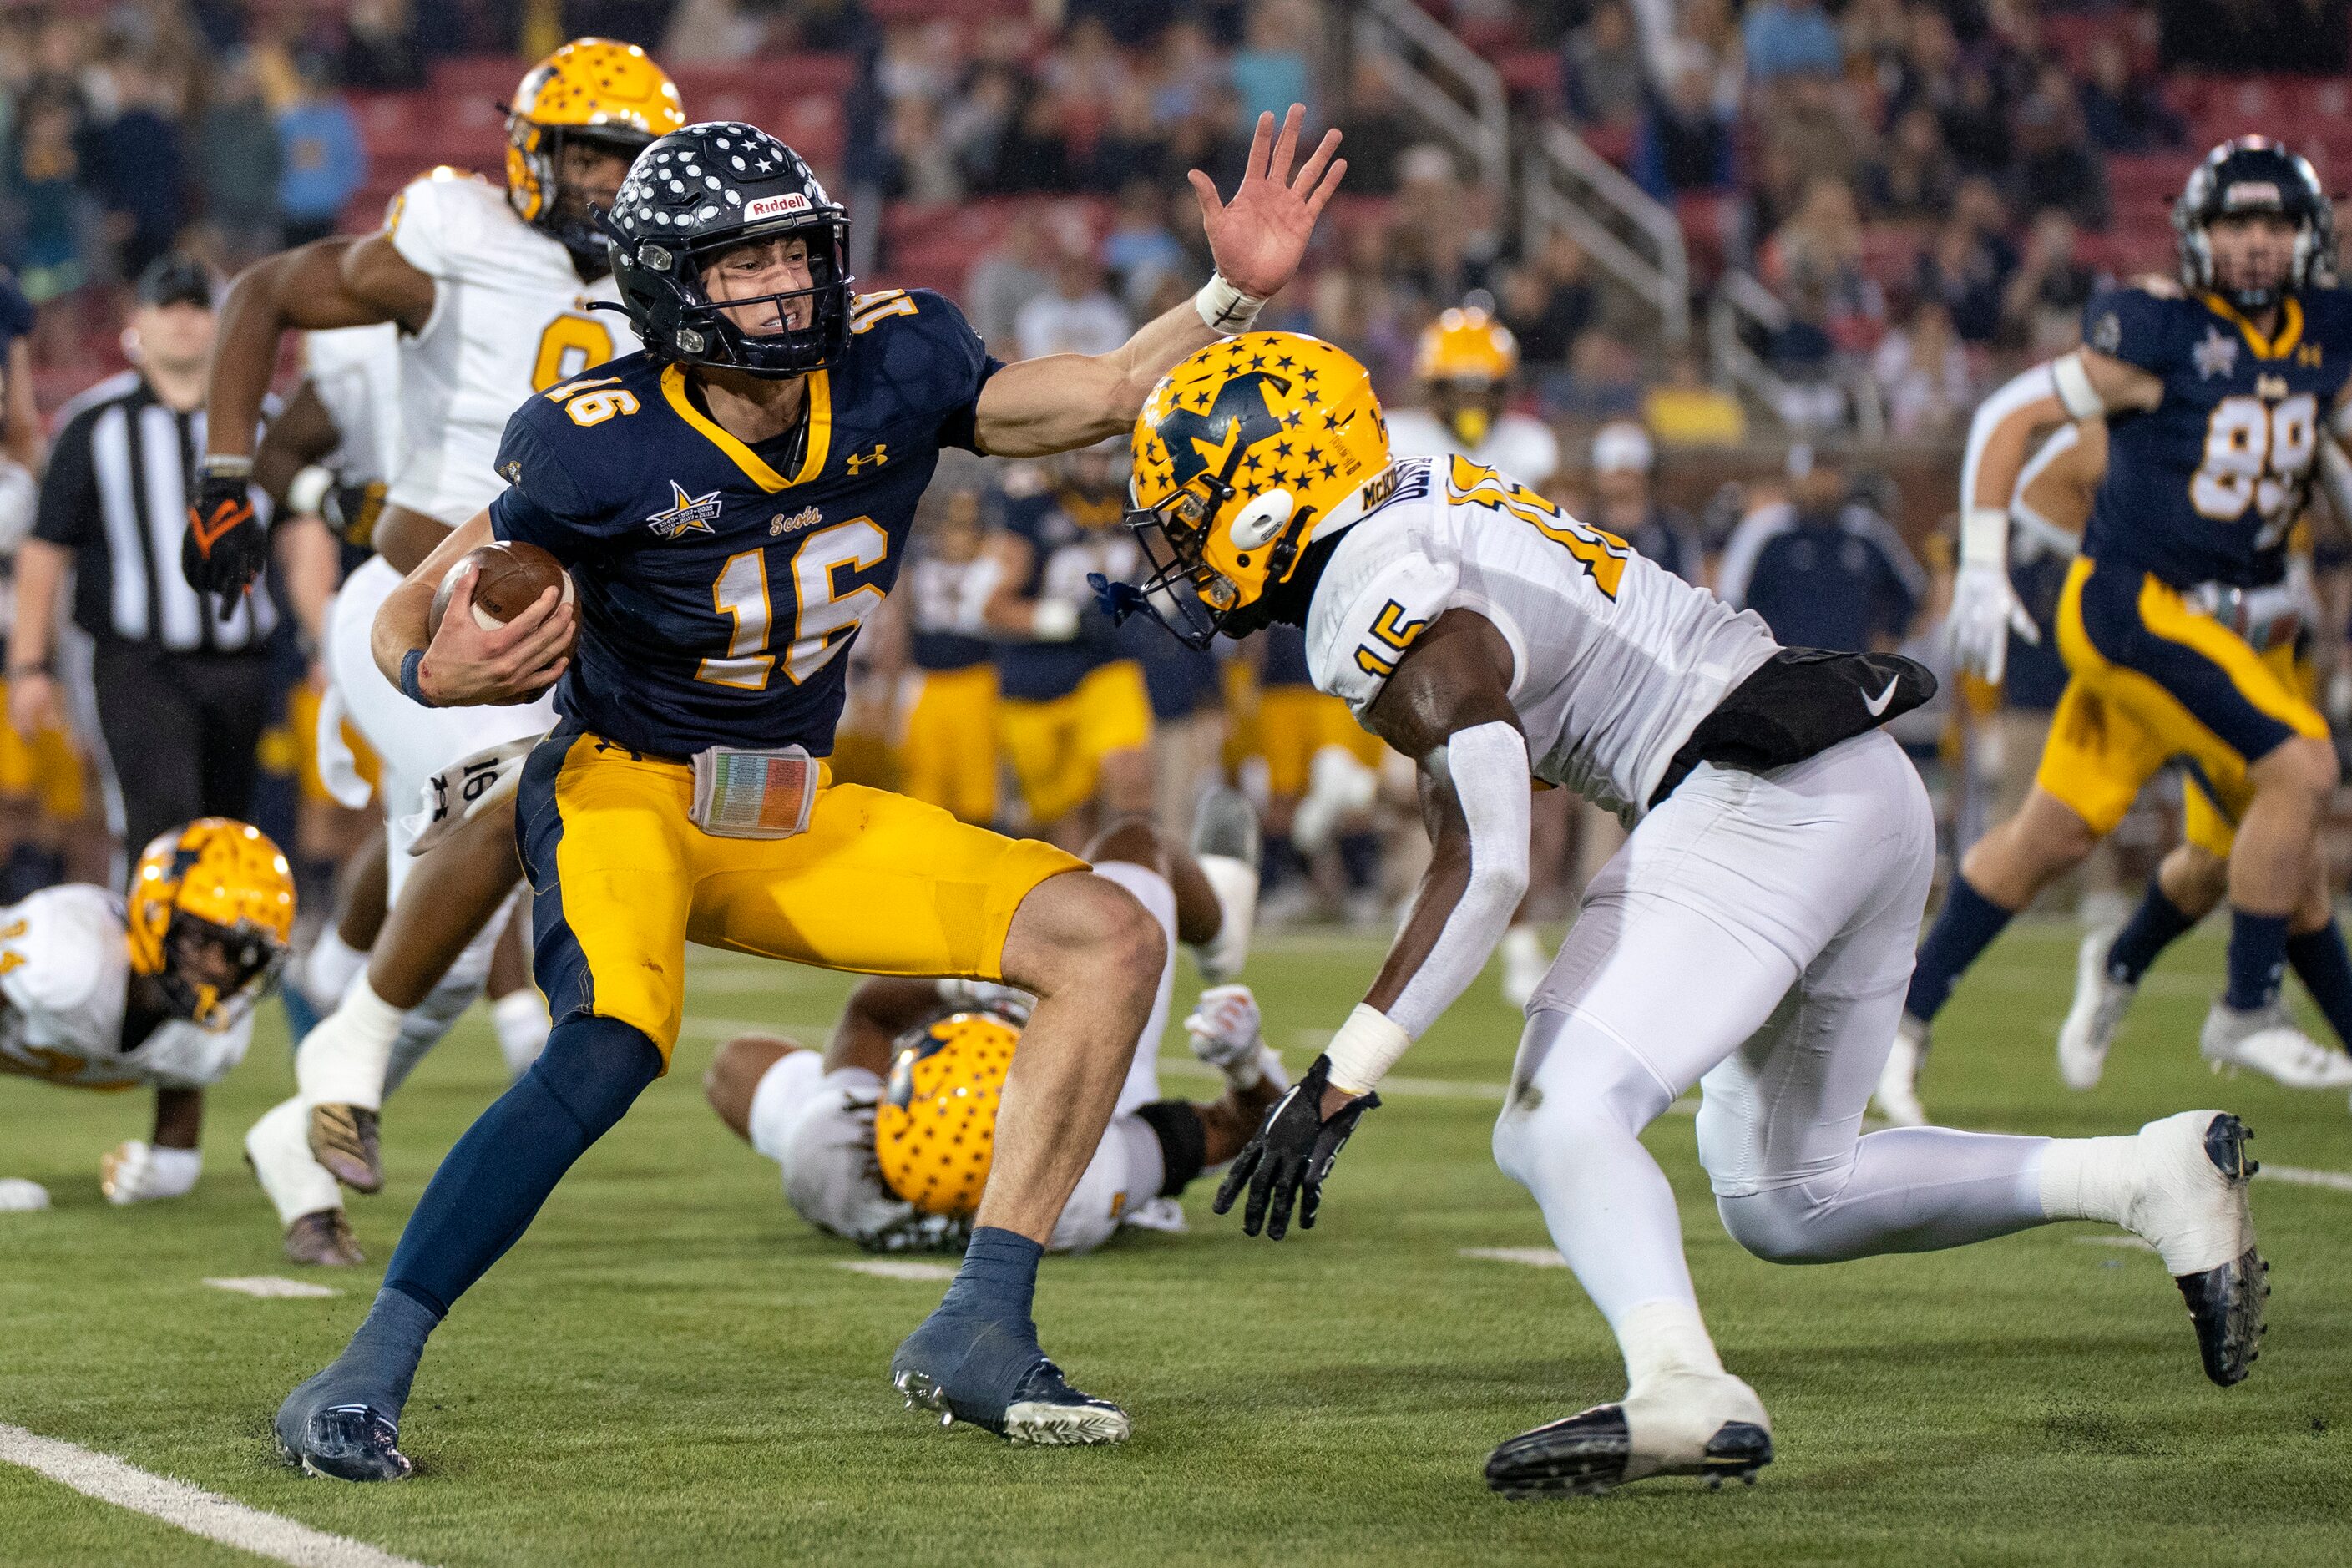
<point>273,1285</point>
<point>898,1268</point>
<point>1531,1256</point>
<point>2295,1175</point>
<point>192,1508</point>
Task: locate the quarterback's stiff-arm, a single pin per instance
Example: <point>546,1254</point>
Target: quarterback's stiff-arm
<point>1061,402</point>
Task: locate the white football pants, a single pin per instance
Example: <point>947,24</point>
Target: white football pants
<point>1754,935</point>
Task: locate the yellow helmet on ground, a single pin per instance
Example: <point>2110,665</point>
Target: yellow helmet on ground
<point>935,1131</point>
<point>210,912</point>
<point>592,89</point>
<point>1245,453</point>
<point>1466,344</point>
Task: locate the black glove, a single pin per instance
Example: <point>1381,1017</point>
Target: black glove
<point>352,512</point>
<point>1290,1154</point>
<point>226,546</point>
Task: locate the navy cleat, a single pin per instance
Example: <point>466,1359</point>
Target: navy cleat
<point>1711,1428</point>
<point>2191,1206</point>
<point>991,1374</point>
<point>347,1442</point>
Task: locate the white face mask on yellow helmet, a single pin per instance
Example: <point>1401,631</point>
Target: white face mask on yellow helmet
<point>1245,453</point>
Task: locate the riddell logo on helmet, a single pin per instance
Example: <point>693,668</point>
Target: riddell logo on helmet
<point>2251,193</point>
<point>775,206</point>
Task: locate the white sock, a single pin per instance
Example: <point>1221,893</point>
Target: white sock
<point>1662,1337</point>
<point>1236,884</point>
<point>2089,1178</point>
<point>522,1021</point>
<point>344,1060</point>
<point>279,1145</point>
<point>326,972</point>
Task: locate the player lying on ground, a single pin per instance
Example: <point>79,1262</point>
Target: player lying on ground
<point>109,994</point>
<point>731,505</point>
<point>1780,850</point>
<point>2217,394</point>
<point>884,1137</point>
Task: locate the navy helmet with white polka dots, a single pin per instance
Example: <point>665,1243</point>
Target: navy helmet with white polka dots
<point>708,189</point>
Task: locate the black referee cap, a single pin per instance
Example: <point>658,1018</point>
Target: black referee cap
<point>177,280</point>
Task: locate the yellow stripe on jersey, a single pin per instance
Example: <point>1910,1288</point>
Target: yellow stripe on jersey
<point>820,435</point>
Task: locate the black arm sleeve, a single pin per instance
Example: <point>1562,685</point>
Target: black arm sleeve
<point>1183,1142</point>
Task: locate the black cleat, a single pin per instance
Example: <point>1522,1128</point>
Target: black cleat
<point>2226,1302</point>
<point>346,1442</point>
<point>1591,1452</point>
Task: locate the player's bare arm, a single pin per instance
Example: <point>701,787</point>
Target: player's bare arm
<point>466,664</point>
<point>179,1118</point>
<point>1061,402</point>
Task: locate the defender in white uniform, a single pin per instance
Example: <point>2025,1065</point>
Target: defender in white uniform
<point>1467,362</point>
<point>815,1112</point>
<point>97,993</point>
<point>1780,852</point>
<point>493,293</point>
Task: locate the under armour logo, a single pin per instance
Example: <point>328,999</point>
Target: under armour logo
<point>858,460</point>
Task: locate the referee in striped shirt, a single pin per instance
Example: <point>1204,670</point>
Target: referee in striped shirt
<point>182,692</point>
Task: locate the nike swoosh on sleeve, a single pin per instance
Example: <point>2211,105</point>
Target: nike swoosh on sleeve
<point>1877,704</point>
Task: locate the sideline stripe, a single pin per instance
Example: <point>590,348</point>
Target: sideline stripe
<point>1531,1256</point>
<point>898,1268</point>
<point>192,1508</point>
<point>2295,1175</point>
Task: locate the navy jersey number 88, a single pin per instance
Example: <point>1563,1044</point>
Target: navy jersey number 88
<point>719,583</point>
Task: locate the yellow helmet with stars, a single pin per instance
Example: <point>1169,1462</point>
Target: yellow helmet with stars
<point>935,1131</point>
<point>210,912</point>
<point>1466,344</point>
<point>590,89</point>
<point>1245,453</point>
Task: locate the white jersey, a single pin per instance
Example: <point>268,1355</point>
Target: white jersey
<point>356,371</point>
<point>1615,660</point>
<point>1518,445</point>
<point>510,318</point>
<point>65,971</point>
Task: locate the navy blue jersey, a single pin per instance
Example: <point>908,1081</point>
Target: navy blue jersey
<point>1063,550</point>
<point>2204,487</point>
<point>1845,582</point>
<point>719,583</point>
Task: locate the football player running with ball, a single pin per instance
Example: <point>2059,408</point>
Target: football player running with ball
<point>732,504</point>
<point>1780,848</point>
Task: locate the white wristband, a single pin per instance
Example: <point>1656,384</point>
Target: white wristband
<point>1984,536</point>
<point>1366,1046</point>
<point>309,488</point>
<point>1225,309</point>
<point>2075,393</point>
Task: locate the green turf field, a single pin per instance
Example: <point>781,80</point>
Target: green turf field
<point>671,1368</point>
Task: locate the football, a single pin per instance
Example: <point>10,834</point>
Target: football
<point>510,577</point>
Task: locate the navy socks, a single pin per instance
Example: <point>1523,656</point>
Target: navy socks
<point>1967,927</point>
<point>2156,925</point>
<point>2257,960</point>
<point>2320,963</point>
<point>982,1343</point>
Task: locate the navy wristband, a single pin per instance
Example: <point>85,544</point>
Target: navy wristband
<point>411,664</point>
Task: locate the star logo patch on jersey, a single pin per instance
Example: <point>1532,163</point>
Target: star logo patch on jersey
<point>692,514</point>
<point>2217,355</point>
